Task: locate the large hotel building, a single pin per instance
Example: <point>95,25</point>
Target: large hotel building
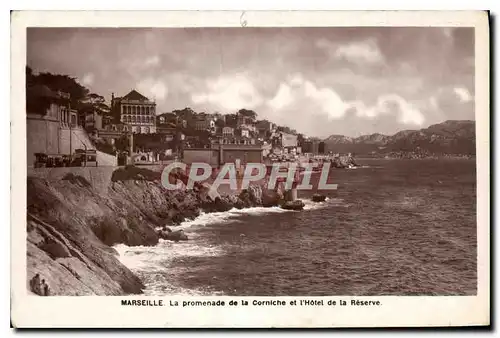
<point>136,111</point>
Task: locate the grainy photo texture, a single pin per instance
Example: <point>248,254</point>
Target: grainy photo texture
<point>251,161</point>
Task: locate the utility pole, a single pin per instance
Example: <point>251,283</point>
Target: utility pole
<point>131,144</point>
<point>70,131</point>
<point>70,136</point>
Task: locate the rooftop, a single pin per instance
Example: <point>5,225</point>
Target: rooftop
<point>134,95</point>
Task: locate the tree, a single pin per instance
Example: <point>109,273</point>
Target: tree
<point>39,96</point>
<point>123,143</point>
<point>231,120</point>
<point>94,102</point>
<point>185,113</point>
<point>220,123</point>
<point>248,113</point>
<point>63,83</point>
<point>204,138</point>
<point>29,77</point>
<point>300,139</point>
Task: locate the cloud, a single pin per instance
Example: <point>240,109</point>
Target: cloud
<point>453,103</point>
<point>298,92</point>
<point>183,83</point>
<point>330,102</point>
<point>282,98</point>
<point>393,105</point>
<point>463,94</point>
<point>358,52</point>
<point>88,79</point>
<point>433,102</point>
<point>303,95</point>
<point>229,93</point>
<point>155,89</point>
<point>152,61</point>
<point>339,74</point>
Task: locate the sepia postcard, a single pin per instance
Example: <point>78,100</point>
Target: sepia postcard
<point>250,169</point>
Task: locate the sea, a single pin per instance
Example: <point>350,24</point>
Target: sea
<point>392,227</point>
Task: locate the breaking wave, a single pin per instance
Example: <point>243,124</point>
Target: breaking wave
<point>158,266</point>
<point>155,264</point>
<point>230,216</point>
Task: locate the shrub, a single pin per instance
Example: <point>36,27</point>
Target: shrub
<point>131,172</point>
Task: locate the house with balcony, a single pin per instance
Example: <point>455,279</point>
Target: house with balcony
<point>227,131</point>
<point>136,111</point>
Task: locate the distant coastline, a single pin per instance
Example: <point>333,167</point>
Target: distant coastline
<point>463,158</point>
<point>410,156</point>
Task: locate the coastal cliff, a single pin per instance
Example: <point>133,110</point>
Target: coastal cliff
<point>72,225</point>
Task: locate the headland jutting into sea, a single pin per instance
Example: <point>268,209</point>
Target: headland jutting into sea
<point>76,216</point>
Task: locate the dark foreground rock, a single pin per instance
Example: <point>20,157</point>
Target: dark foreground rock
<point>70,267</point>
<point>73,223</point>
<point>343,162</point>
<point>318,198</point>
<point>293,205</point>
<point>272,198</point>
<point>175,236</point>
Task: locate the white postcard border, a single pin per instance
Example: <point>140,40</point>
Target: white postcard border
<point>33,311</point>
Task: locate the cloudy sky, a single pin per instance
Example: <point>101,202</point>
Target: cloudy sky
<point>320,81</point>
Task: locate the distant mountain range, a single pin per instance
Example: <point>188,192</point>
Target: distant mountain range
<point>449,137</point>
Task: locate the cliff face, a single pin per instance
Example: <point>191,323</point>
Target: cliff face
<point>70,229</point>
<point>72,225</point>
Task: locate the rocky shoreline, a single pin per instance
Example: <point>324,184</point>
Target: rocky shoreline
<point>72,225</point>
